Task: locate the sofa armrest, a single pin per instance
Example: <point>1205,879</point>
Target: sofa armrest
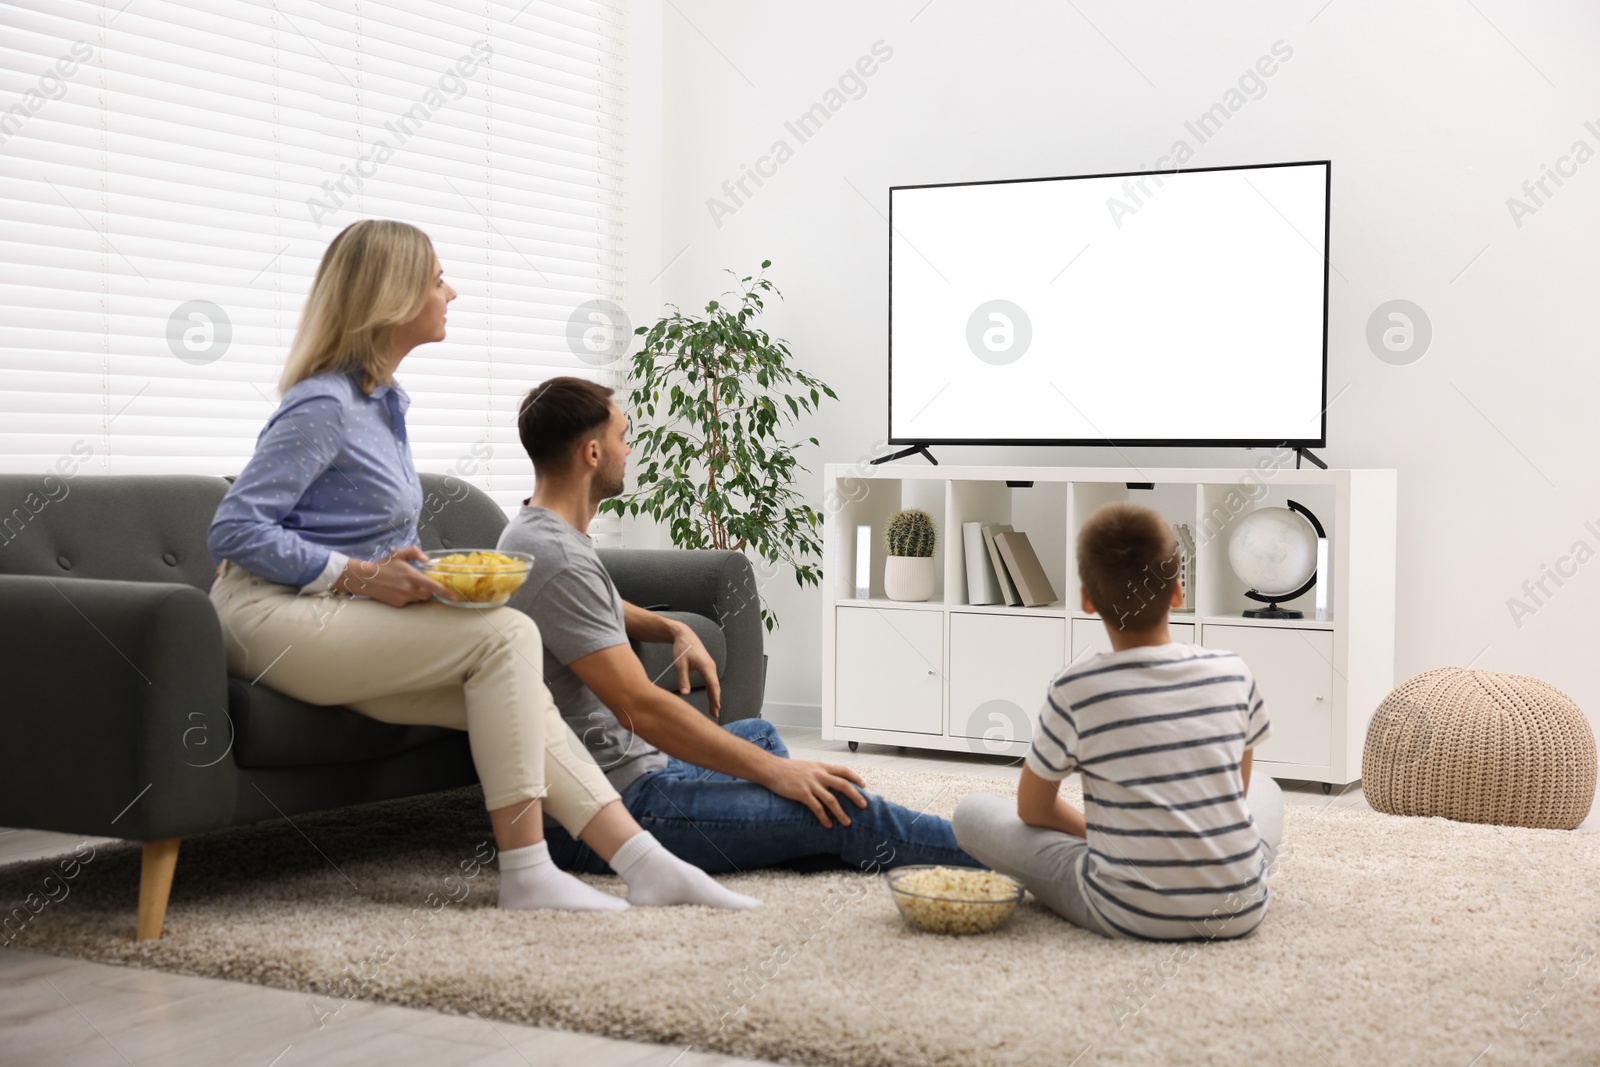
<point>718,584</point>
<point>115,721</point>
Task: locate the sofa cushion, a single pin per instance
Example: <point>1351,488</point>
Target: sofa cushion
<point>273,730</point>
<point>457,515</point>
<point>657,658</point>
<point>129,527</point>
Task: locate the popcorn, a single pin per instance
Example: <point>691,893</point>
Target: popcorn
<point>954,900</point>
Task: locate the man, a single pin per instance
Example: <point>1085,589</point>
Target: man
<point>722,798</point>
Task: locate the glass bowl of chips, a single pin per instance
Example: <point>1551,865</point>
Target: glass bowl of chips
<point>482,578</point>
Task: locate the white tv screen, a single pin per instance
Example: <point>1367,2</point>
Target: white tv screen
<point>1181,307</point>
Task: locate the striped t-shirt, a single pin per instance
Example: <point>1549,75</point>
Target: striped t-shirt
<point>1158,733</point>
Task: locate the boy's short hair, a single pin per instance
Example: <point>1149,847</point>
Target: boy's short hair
<point>1128,563</point>
<point>558,413</point>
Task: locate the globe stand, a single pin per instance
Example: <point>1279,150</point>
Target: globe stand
<point>1272,610</point>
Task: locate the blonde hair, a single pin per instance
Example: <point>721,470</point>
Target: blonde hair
<point>373,277</point>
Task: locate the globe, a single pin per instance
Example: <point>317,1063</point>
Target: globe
<point>1273,551</point>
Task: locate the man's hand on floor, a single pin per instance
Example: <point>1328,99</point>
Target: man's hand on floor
<point>813,785</point>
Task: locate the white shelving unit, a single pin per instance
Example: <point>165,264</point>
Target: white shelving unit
<point>945,674</point>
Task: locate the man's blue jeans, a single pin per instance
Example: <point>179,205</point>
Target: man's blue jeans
<point>724,824</point>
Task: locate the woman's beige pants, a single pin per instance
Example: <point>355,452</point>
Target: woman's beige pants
<point>425,663</point>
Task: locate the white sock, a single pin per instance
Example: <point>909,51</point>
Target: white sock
<point>656,877</point>
<point>529,879</point>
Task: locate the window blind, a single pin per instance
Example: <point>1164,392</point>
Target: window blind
<point>170,175</point>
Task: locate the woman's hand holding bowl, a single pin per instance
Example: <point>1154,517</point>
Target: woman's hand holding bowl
<point>392,580</point>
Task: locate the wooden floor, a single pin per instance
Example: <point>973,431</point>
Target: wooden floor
<point>79,1014</point>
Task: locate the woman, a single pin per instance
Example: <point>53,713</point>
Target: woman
<point>328,504</point>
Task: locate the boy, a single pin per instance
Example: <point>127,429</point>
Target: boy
<point>1175,839</point>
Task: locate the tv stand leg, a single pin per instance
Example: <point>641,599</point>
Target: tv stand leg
<point>904,452</point>
<point>1308,454</point>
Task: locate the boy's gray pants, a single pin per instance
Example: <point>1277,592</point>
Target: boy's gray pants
<point>1050,863</point>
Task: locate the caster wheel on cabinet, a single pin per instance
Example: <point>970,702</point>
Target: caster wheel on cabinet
<point>854,745</point>
<point>1327,787</point>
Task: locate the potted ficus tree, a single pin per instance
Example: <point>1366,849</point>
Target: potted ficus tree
<point>713,401</point>
<point>908,570</point>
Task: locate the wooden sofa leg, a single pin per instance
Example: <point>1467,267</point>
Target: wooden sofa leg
<point>155,883</point>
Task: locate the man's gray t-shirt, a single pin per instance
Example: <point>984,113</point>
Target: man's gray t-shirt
<point>578,610</point>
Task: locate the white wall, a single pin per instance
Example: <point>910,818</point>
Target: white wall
<point>642,185</point>
<point>1434,113</point>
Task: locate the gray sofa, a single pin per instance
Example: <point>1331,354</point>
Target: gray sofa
<point>119,719</point>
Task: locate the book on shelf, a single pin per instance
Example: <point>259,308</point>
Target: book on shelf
<point>1185,564</point>
<point>983,587</point>
<point>1026,572</point>
<point>1008,591</point>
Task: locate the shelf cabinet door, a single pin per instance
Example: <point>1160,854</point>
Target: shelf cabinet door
<point>1089,636</point>
<point>1294,670</point>
<point>889,669</point>
<point>1000,668</point>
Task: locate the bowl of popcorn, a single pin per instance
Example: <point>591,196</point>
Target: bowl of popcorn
<point>480,577</point>
<point>954,900</point>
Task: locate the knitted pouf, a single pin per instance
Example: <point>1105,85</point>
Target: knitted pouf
<point>1478,746</point>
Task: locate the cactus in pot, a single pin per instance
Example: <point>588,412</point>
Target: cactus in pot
<point>910,533</point>
<point>908,573</point>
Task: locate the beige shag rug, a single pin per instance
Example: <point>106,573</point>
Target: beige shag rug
<point>1389,941</point>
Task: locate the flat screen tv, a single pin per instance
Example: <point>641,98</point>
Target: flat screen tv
<point>1151,308</point>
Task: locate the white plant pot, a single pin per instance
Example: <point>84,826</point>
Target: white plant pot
<point>908,577</point>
